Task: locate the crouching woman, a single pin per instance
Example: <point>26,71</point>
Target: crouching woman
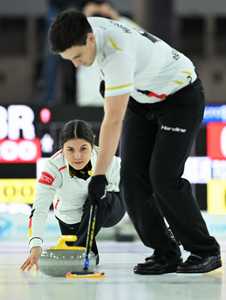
<point>64,181</point>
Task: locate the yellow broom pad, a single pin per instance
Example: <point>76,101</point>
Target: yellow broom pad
<point>95,275</point>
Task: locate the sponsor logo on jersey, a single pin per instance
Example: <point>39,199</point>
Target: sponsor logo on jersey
<point>46,178</point>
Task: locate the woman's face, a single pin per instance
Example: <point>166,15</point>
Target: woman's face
<point>77,152</point>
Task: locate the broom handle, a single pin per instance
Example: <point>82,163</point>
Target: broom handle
<point>90,235</point>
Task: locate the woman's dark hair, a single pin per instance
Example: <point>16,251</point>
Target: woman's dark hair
<point>70,28</point>
<point>77,129</point>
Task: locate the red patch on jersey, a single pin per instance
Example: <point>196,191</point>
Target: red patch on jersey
<point>159,96</point>
<point>62,168</point>
<point>46,178</point>
<point>55,207</point>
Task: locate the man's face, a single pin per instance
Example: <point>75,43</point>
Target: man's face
<point>82,55</point>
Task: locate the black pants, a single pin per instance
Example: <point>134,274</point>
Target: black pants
<point>109,213</point>
<point>155,144</point>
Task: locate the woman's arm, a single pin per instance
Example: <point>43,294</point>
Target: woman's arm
<point>46,187</point>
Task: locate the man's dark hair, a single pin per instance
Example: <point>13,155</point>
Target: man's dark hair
<point>70,28</point>
<point>77,129</point>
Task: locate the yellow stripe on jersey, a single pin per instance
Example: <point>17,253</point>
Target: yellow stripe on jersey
<point>180,82</point>
<point>29,232</point>
<point>187,72</point>
<point>118,87</point>
<point>114,44</point>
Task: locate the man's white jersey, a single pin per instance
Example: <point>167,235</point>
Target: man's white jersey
<point>90,94</point>
<point>67,193</point>
<point>138,63</point>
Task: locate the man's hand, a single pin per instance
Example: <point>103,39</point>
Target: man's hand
<point>97,188</point>
<point>32,260</point>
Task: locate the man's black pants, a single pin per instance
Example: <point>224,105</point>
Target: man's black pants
<point>110,211</point>
<point>156,141</point>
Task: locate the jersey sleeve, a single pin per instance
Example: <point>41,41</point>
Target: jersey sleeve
<point>118,74</point>
<point>46,187</point>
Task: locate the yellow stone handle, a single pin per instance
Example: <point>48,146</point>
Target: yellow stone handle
<point>61,243</point>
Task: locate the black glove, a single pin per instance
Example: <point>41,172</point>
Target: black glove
<point>97,188</point>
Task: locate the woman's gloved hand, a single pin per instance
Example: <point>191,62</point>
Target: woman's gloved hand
<point>97,189</point>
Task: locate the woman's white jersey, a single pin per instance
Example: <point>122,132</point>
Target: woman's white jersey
<point>67,193</point>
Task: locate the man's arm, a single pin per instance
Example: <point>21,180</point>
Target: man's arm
<point>114,111</point>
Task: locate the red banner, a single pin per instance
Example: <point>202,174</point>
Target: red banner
<point>20,151</point>
<point>216,140</point>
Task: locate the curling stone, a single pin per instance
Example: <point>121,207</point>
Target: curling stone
<point>57,261</point>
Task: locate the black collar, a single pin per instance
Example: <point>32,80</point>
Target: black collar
<point>83,173</point>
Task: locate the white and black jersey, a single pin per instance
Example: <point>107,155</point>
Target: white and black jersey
<point>90,94</point>
<point>67,193</point>
<point>136,62</point>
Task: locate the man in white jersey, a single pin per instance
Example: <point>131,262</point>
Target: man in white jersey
<point>92,95</point>
<point>154,102</point>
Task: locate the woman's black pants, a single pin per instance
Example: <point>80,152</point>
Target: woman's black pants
<point>110,211</point>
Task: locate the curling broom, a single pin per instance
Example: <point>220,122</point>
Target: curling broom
<point>89,243</point>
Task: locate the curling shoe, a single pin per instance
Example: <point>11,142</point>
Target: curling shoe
<point>157,266</point>
<point>199,264</point>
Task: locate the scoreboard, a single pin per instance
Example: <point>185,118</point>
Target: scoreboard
<point>28,133</point>
<point>20,138</point>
